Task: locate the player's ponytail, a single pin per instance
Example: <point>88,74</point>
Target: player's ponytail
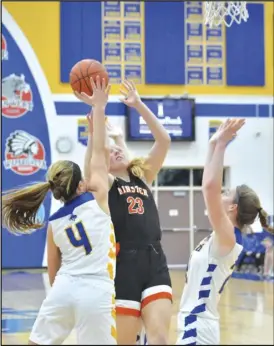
<point>20,207</point>
<point>138,167</point>
<point>263,220</point>
<point>249,208</point>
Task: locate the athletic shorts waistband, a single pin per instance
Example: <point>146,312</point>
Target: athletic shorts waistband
<point>132,245</point>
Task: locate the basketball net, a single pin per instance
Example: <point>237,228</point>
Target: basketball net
<point>217,12</point>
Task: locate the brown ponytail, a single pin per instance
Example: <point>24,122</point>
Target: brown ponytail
<point>263,220</point>
<point>249,208</point>
<point>138,167</point>
<point>20,207</point>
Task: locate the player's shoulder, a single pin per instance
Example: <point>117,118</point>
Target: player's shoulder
<point>140,181</point>
<point>68,208</point>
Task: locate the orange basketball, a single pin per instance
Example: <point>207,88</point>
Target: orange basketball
<point>81,73</point>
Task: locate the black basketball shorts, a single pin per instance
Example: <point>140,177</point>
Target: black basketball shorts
<point>142,276</point>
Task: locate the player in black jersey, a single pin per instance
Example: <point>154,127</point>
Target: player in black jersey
<point>143,285</point>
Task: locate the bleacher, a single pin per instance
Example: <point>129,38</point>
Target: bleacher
<point>248,268</point>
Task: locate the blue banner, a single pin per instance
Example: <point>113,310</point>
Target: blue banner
<point>132,30</point>
<point>112,52</point>
<point>205,58</point>
<point>132,9</point>
<point>114,73</point>
<point>134,73</point>
<point>112,30</point>
<point>26,153</point>
<point>132,52</point>
<point>112,8</point>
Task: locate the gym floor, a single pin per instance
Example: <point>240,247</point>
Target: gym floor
<point>246,308</point>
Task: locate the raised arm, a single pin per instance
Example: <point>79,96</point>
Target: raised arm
<point>88,153</point>
<point>158,152</point>
<point>112,132</point>
<point>212,182</point>
<point>99,162</point>
<point>211,147</point>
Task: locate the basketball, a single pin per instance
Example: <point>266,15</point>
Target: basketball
<point>81,73</point>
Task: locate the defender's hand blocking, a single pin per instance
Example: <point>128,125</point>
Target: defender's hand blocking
<point>100,93</point>
<point>228,130</point>
<point>113,131</point>
<point>131,97</point>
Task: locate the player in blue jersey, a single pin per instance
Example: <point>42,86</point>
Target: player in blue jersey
<point>80,243</point>
<point>212,262</point>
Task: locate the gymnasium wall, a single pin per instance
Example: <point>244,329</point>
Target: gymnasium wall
<point>228,71</point>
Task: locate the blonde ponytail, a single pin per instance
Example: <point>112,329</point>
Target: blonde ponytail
<point>20,207</point>
<point>138,167</point>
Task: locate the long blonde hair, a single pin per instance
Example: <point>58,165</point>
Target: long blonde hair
<point>20,206</point>
<point>138,167</point>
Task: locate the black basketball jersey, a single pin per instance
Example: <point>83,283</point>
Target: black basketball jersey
<point>133,211</point>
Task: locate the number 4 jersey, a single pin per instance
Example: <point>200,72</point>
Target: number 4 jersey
<point>85,237</point>
<point>206,277</point>
<point>133,211</point>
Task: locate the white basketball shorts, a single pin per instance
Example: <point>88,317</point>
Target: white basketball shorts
<point>194,330</point>
<point>84,303</point>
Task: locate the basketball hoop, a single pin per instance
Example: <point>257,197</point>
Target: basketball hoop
<point>217,12</point>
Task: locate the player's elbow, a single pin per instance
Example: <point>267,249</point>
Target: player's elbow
<point>209,187</point>
<point>166,140</point>
<point>163,139</point>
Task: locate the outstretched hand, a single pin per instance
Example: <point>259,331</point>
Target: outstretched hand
<point>100,93</point>
<point>131,97</point>
<point>113,131</point>
<point>228,130</point>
